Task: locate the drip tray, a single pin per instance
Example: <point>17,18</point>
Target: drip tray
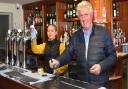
<point>20,77</point>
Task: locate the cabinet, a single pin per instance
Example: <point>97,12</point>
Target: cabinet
<point>33,15</point>
<point>103,14</point>
<point>51,11</point>
<point>120,23</point>
<point>55,10</point>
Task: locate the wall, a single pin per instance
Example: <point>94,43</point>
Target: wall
<point>17,14</point>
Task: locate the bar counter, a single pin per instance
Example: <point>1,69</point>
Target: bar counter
<point>61,83</point>
<point>116,80</point>
<point>12,77</point>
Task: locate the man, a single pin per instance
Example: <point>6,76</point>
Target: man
<point>93,48</point>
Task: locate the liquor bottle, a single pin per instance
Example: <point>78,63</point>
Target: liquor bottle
<point>114,10</point>
<point>117,9</point>
<point>34,15</point>
<point>54,18</point>
<point>65,14</point>
<point>51,18</point>
<point>36,18</point>
<point>104,15</point>
<point>114,26</point>
<point>74,11</point>
<point>38,15</point>
<point>68,11</point>
<point>71,11</point>
<point>41,19</point>
<point>47,21</point>
<point>66,38</point>
<point>29,19</point>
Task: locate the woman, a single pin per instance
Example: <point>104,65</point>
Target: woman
<point>51,49</point>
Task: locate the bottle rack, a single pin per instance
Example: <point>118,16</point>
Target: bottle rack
<point>33,16</point>
<point>51,15</point>
<point>118,32</point>
<point>70,11</point>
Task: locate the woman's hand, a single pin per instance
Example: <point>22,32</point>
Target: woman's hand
<point>33,32</point>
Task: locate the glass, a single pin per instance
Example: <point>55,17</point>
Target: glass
<point>41,71</point>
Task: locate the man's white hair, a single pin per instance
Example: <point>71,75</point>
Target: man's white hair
<point>84,4</point>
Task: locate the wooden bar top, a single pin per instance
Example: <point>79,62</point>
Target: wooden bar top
<point>122,56</point>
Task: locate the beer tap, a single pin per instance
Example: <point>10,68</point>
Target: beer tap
<point>26,37</point>
<point>24,53</point>
<point>18,39</point>
<point>7,46</point>
<point>12,47</point>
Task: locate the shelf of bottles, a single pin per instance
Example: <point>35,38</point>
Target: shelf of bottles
<point>69,28</point>
<point>100,13</point>
<point>35,18</point>
<point>70,13</point>
<point>51,15</point>
<point>119,37</point>
<point>51,18</point>
<point>118,34</point>
<point>71,22</point>
<point>115,10</point>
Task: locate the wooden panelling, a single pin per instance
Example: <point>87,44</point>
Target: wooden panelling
<point>123,18</point>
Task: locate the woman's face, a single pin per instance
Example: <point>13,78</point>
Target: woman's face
<point>51,32</point>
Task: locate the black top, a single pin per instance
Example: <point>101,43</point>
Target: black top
<point>100,51</point>
<point>51,51</point>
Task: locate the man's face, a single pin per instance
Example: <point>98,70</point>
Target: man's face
<point>85,17</point>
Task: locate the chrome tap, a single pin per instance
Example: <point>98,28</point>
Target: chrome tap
<point>12,47</point>
<point>18,40</point>
<point>26,37</point>
<point>7,46</point>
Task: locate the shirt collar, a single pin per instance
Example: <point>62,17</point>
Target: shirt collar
<point>88,32</point>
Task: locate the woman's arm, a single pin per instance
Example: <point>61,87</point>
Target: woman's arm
<point>37,49</point>
<point>63,68</point>
<point>61,48</point>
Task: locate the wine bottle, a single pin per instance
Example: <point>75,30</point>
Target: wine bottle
<point>65,14</point>
<point>68,11</point>
<point>71,11</point>
<point>74,11</point>
<point>114,10</point>
<point>104,14</point>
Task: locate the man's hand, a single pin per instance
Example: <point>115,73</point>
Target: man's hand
<point>53,63</point>
<point>33,32</point>
<point>95,69</point>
